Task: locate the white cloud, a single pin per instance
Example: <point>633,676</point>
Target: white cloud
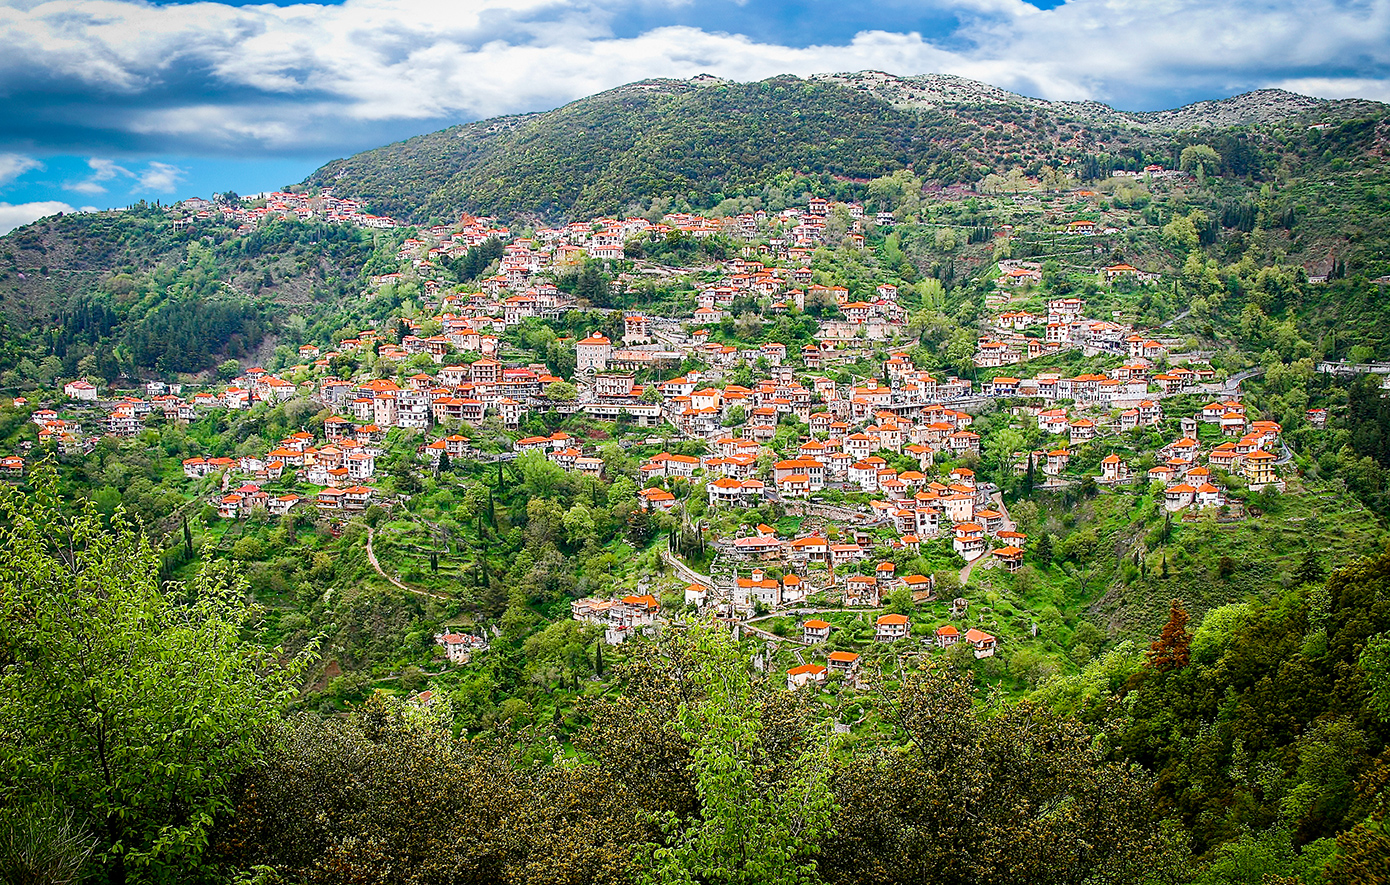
<point>157,176</point>
<point>302,75</point>
<point>14,165</point>
<point>1339,87</point>
<point>20,214</point>
<point>161,177</point>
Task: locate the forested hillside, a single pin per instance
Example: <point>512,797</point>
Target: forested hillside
<point>602,153</point>
<point>124,293</point>
<point>704,140</point>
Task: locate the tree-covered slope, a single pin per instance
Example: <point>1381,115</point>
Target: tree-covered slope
<point>122,292</point>
<point>652,139</point>
<point>706,138</point>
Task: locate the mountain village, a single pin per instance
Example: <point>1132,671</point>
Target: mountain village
<point>880,461</point>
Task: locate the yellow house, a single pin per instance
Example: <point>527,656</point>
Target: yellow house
<point>1259,468</point>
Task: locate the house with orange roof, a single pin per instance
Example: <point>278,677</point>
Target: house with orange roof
<point>696,594</point>
<point>983,643</point>
<point>1176,497</point>
<point>922,587</point>
<point>845,663</point>
<point>804,675</point>
<point>656,499</point>
<point>969,540</point>
<point>1011,556</point>
<point>815,630</point>
<point>807,548</point>
<point>1113,469</point>
<point>1259,469</point>
<point>891,627</point>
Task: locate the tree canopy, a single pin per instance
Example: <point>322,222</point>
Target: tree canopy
<point>129,701</point>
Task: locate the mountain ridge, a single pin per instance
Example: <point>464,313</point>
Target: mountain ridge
<point>706,137</point>
<point>935,90</point>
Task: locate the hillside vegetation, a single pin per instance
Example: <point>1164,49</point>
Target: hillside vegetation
<point>330,554</point>
<point>708,139</point>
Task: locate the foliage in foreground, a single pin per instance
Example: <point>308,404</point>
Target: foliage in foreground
<point>158,745</point>
<point>703,770</point>
<point>127,705</point>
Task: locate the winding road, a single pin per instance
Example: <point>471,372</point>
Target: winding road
<point>371,557</point>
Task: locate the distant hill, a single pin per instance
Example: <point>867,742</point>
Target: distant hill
<point>946,90</point>
<point>706,138</point>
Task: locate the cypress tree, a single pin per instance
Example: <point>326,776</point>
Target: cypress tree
<point>1310,570</point>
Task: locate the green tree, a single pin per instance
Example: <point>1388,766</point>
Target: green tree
<point>561,392</point>
<point>1310,570</point>
<point>1199,155</point>
<point>133,703</point>
<point>1181,233</point>
<point>761,818</point>
<point>1375,664</point>
<point>1018,795</point>
<point>1000,449</point>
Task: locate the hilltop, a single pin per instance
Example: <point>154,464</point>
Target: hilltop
<point>709,138</point>
<point>947,90</point>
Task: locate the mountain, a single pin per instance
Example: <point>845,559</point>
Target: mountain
<point>707,138</point>
<point>947,90</point>
<point>1304,177</point>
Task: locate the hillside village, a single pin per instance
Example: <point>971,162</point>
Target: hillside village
<point>873,454</point>
<point>929,482</point>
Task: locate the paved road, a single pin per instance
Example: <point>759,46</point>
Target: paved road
<point>1181,316</point>
<point>1286,453</point>
<point>1009,526</point>
<point>1231,386</point>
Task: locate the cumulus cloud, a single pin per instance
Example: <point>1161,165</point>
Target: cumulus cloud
<point>20,214</point>
<point>308,77</point>
<point>159,177</point>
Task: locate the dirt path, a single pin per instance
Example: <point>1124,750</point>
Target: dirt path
<point>371,557</point>
<point>970,566</point>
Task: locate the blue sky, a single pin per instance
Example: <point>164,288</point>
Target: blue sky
<point>103,102</point>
